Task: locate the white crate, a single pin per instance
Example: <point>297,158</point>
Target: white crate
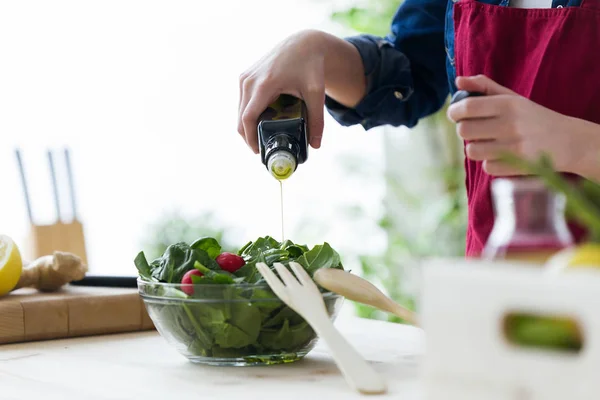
<point>462,308</point>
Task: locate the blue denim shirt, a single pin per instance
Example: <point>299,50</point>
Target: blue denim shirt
<point>411,71</point>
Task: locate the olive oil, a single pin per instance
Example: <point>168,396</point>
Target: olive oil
<point>283,140</point>
<point>281,204</point>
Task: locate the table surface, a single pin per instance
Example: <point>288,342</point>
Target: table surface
<point>144,366</point>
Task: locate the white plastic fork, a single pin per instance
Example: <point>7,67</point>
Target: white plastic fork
<point>303,296</point>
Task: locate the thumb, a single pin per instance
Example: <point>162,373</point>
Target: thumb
<point>481,84</point>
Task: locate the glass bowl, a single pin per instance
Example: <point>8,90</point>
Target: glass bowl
<point>230,325</point>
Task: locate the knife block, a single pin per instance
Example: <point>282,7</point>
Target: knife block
<point>44,240</point>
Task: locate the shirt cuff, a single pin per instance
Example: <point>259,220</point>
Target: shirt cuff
<point>387,73</point>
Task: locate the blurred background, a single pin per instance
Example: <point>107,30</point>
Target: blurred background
<point>145,96</point>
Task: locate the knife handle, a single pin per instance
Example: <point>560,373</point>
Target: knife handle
<point>107,281</point>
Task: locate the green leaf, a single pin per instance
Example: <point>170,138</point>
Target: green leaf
<point>259,246</point>
<point>142,266</point>
<point>320,256</point>
<point>275,255</point>
<point>285,313</point>
<point>248,272</point>
<point>209,245</point>
<point>295,251</point>
<point>173,264</point>
<point>222,277</point>
<point>266,301</point>
<point>235,323</point>
<point>287,337</point>
<point>243,249</point>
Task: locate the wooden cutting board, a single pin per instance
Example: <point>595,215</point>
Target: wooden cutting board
<point>28,315</point>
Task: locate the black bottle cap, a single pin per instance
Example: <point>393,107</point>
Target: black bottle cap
<point>463,94</point>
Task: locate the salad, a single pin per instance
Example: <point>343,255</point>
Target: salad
<point>215,304</point>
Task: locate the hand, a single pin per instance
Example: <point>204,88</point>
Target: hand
<point>296,67</point>
<point>503,121</point>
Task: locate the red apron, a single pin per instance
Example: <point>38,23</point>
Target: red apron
<point>551,56</point>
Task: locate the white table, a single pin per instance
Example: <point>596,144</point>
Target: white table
<point>143,366</point>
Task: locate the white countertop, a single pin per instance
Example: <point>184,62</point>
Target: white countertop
<point>144,366</point>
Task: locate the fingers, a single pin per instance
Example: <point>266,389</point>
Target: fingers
<point>260,100</point>
<point>498,168</point>
<point>482,129</point>
<point>490,150</point>
<point>244,98</point>
<point>481,84</point>
<point>314,97</point>
<point>479,107</point>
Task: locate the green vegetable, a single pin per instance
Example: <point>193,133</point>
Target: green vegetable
<point>143,267</point>
<point>235,314</point>
<point>209,245</point>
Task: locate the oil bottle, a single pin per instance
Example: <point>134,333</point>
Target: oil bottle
<point>283,136</point>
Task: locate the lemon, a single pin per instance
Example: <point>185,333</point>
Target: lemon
<point>11,264</point>
<point>585,256</point>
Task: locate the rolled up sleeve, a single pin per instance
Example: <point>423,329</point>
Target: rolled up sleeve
<point>405,71</point>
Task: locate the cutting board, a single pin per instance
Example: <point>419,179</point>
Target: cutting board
<point>28,315</point>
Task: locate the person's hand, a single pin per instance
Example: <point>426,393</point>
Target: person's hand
<point>503,121</point>
<point>295,67</point>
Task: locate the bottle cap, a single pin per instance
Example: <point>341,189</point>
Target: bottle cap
<point>281,164</point>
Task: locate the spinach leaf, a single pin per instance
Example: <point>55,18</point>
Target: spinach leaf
<point>294,251</point>
<point>282,315</point>
<point>142,266</point>
<point>248,272</point>
<point>275,255</point>
<point>243,249</point>
<point>209,245</point>
<point>222,277</point>
<point>232,324</point>
<point>266,301</point>
<point>259,246</point>
<point>177,259</point>
<point>288,337</point>
<point>172,265</point>
<point>320,256</point>
<point>203,258</point>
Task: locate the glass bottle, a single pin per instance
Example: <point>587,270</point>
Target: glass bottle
<point>282,136</point>
<point>530,223</point>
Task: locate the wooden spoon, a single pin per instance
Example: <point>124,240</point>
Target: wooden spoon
<point>360,290</point>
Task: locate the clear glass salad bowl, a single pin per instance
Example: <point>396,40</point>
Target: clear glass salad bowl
<point>230,324</point>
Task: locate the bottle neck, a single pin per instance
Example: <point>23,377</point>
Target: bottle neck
<point>281,164</point>
<point>529,214</point>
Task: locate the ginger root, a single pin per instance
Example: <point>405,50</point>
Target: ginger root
<point>50,273</point>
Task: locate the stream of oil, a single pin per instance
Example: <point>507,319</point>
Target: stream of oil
<point>281,204</point>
